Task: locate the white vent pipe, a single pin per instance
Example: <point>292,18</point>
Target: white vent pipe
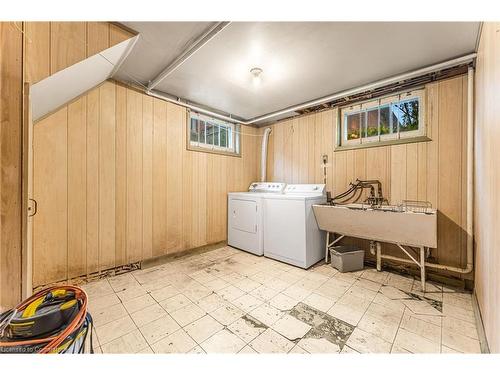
<point>263,156</point>
<point>470,181</point>
<point>470,189</point>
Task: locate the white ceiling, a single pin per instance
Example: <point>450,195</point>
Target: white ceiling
<point>300,61</point>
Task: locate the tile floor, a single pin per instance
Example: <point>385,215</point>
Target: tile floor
<point>229,301</point>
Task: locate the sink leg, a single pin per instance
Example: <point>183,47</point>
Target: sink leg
<point>422,267</point>
<point>379,256</point>
<point>326,246</point>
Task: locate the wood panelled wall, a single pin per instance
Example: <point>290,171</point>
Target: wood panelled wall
<point>487,182</point>
<point>53,46</point>
<point>11,49</point>
<point>434,171</point>
<point>115,184</point>
<point>29,52</point>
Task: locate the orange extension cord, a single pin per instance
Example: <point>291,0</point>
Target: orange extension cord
<point>54,341</point>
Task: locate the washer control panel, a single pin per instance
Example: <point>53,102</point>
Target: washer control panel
<point>305,189</point>
<point>267,187</point>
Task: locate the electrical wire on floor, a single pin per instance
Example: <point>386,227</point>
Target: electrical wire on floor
<point>54,320</point>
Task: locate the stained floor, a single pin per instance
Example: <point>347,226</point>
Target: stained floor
<point>229,301</point>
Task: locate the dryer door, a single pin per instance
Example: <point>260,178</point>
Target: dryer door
<point>244,215</point>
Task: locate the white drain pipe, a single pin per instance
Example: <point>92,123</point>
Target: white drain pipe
<point>263,156</point>
<point>470,181</point>
<point>470,191</point>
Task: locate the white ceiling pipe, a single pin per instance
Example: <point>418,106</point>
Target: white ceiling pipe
<point>195,108</point>
<point>371,86</point>
<point>190,51</point>
<point>342,94</point>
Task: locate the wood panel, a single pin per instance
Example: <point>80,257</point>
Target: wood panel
<point>93,104</point>
<point>398,174</point>
<point>134,176</point>
<point>97,37</point>
<point>121,176</point>
<point>50,225</point>
<point>159,177</point>
<point>144,194</point>
<point>200,196</point>
<point>449,161</point>
<point>487,182</point>
<point>175,146</point>
<point>77,185</point>
<point>67,44</point>
<point>11,49</point>
<point>431,170</point>
<point>37,50</point>
<point>147,177</point>
<point>107,142</point>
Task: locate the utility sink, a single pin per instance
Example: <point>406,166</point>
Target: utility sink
<point>384,224</point>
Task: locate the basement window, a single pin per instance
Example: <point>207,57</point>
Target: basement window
<point>395,119</point>
<point>212,135</point>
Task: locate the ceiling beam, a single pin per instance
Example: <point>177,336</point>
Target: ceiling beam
<point>188,52</point>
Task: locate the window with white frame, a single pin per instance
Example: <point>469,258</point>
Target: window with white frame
<point>395,118</point>
<point>211,134</point>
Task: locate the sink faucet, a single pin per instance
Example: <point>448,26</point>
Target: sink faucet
<point>354,192</point>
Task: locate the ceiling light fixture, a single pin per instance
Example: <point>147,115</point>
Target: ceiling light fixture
<point>256,72</point>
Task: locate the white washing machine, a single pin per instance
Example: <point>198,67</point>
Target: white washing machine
<point>245,216</point>
<point>291,233</point>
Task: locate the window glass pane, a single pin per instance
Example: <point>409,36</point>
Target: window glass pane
<point>362,117</point>
<point>407,115</point>
<point>384,120</point>
<point>202,131</point>
<point>216,135</point>
<point>372,123</point>
<point>194,130</point>
<point>352,126</point>
<point>209,134</point>
<point>223,136</point>
<point>394,119</point>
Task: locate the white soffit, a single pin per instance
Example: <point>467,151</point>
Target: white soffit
<point>306,60</point>
<point>66,85</point>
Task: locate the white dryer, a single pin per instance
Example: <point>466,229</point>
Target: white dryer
<point>291,233</point>
<point>245,216</point>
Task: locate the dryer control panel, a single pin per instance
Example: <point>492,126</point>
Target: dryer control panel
<point>267,187</point>
<point>305,189</point>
